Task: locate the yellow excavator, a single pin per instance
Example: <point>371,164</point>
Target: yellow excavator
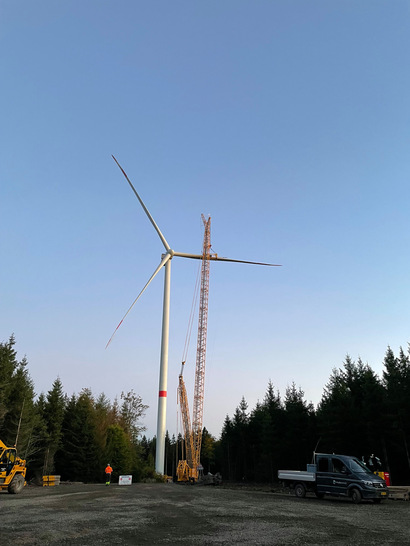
<point>12,470</point>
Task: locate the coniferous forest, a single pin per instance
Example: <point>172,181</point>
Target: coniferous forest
<point>359,414</point>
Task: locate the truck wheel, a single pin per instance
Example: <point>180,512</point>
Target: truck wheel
<point>356,496</point>
<point>16,485</point>
<point>300,490</point>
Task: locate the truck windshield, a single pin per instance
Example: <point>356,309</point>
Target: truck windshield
<point>358,466</point>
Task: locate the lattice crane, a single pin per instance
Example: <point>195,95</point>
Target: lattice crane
<point>187,469</point>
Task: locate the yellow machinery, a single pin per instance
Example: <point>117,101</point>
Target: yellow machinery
<point>51,481</point>
<point>189,469</point>
<point>12,470</point>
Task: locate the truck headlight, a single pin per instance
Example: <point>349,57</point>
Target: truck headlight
<point>368,483</point>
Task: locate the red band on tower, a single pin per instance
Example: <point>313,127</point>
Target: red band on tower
<point>162,394</point>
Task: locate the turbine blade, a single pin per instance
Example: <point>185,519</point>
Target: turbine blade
<point>151,219</point>
<point>163,262</point>
<point>215,258</point>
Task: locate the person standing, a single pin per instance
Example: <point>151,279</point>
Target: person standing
<point>108,472</point>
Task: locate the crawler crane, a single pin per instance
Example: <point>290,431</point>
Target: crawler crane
<point>188,469</point>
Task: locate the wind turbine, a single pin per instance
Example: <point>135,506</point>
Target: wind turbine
<point>163,373</point>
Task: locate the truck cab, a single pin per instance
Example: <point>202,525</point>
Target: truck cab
<point>342,475</point>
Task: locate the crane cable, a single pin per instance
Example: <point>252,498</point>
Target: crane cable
<point>185,353</point>
<point>191,316</point>
<point>179,425</point>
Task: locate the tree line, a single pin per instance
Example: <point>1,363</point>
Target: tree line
<point>73,437</point>
<point>359,414</point>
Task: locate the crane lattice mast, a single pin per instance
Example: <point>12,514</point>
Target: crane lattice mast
<point>198,410</point>
<point>188,470</point>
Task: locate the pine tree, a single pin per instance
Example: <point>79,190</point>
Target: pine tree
<point>53,414</point>
<point>299,430</point>
<point>351,412</point>
<point>239,454</point>
<point>224,450</point>
<point>18,417</point>
<point>396,379</point>
<point>118,451</point>
<point>274,432</point>
<point>259,464</point>
<point>208,451</point>
<point>78,458</point>
<point>8,365</point>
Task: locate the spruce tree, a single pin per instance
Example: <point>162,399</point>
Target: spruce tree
<point>53,414</point>
<point>396,379</point>
<point>18,417</point>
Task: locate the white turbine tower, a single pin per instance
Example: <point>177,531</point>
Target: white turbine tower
<point>163,373</point>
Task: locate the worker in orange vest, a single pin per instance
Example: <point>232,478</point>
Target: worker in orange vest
<point>108,472</point>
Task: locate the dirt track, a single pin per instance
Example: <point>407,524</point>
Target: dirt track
<point>178,514</point>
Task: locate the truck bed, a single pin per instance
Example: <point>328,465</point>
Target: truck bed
<point>297,475</point>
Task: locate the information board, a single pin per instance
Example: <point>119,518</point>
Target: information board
<point>125,480</point>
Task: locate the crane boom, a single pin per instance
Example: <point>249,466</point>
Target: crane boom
<point>198,411</point>
<point>186,421</point>
<point>188,469</point>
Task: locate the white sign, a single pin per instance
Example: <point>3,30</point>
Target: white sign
<point>125,480</point>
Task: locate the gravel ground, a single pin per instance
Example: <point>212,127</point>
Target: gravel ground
<point>181,514</point>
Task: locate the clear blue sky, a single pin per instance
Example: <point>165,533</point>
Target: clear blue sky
<point>286,121</point>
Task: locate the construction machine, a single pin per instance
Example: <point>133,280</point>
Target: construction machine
<point>12,470</point>
<point>189,469</point>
